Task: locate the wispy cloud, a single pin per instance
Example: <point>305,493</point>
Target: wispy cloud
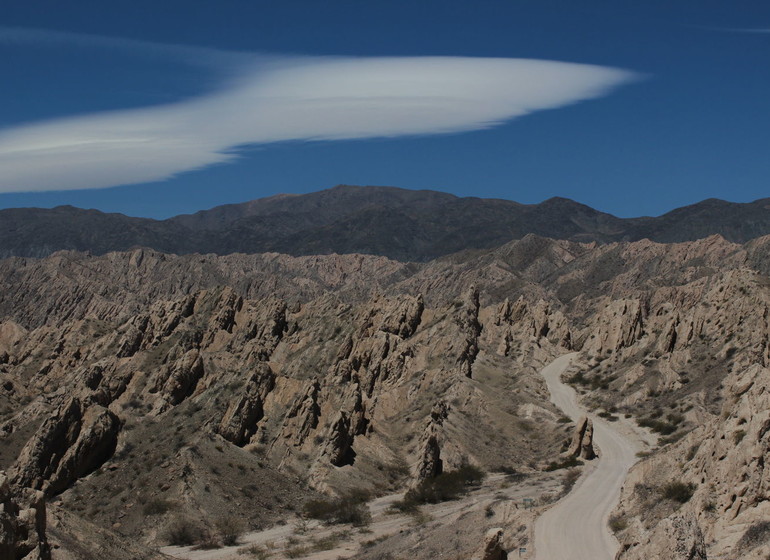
<point>290,98</point>
<point>749,30</point>
<point>198,56</point>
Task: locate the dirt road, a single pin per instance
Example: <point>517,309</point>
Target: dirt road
<point>576,527</point>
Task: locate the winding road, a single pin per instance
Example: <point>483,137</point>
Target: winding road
<point>576,527</point>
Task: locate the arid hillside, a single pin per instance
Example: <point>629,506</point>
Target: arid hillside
<point>140,390</point>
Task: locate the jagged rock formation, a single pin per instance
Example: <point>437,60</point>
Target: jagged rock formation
<point>71,443</point>
<point>200,381</point>
<point>468,320</point>
<point>582,444</point>
<point>22,523</point>
<point>240,421</point>
<point>429,464</point>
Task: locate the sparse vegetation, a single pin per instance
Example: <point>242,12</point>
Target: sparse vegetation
<point>255,551</point>
<point>566,463</point>
<point>328,542</point>
<point>446,486</point>
<point>182,532</point>
<point>229,530</point>
<point>678,491</point>
<point>349,509</point>
<point>157,506</point>
<point>618,523</point>
<point>569,480</point>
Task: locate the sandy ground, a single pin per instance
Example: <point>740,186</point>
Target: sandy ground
<point>576,527</point>
<point>298,534</point>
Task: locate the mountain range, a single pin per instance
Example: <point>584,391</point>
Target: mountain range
<point>400,224</point>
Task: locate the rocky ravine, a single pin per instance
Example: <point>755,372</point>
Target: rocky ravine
<point>140,388</point>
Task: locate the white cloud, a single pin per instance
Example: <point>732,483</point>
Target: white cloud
<point>291,98</point>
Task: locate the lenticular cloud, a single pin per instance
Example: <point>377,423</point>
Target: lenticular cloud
<point>311,98</point>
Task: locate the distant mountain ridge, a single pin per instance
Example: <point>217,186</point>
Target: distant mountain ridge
<point>401,224</point>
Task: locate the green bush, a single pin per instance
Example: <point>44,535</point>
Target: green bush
<point>678,491</point>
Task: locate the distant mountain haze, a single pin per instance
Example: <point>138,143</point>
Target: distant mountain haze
<point>401,224</point>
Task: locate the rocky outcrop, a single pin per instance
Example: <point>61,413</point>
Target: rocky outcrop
<point>70,444</point>
<point>303,415</point>
<point>521,321</point>
<point>404,319</point>
<point>240,420</point>
<point>468,320</point>
<point>492,547</point>
<point>582,444</point>
<point>675,538</point>
<point>429,463</point>
<point>22,523</point>
<point>338,449</point>
<point>619,325</point>
<point>177,382</point>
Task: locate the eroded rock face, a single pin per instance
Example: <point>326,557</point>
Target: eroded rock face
<point>240,420</point>
<point>468,320</point>
<point>22,523</point>
<point>329,365</point>
<point>430,464</point>
<point>303,416</point>
<point>582,444</point>
<point>492,548</point>
<point>71,443</point>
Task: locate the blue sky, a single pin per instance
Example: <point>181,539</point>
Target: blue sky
<point>633,108</point>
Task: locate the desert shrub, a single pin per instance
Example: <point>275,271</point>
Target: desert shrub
<point>566,463</point>
<point>660,426</point>
<point>229,530</point>
<point>328,542</point>
<point>157,506</point>
<point>182,532</point>
<point>348,509</point>
<point>569,480</point>
<point>578,378</point>
<point>296,551</point>
<point>617,523</point>
<point>255,551</point>
<point>678,491</point>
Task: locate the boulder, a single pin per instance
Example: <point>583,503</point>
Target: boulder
<point>582,440</point>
